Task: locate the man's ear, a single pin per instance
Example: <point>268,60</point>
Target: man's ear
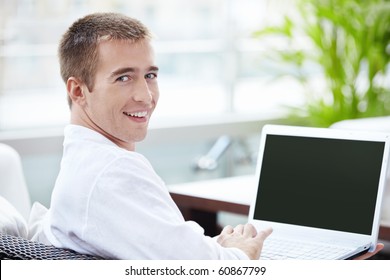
<point>76,91</point>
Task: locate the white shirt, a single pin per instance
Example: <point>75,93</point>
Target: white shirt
<point>108,201</point>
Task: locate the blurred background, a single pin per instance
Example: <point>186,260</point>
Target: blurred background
<point>212,83</point>
<point>227,67</point>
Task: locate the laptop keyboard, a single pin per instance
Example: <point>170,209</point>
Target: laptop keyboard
<point>282,249</point>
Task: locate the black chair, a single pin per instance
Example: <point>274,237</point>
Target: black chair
<point>18,248</point>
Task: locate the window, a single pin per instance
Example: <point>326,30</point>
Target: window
<point>210,64</point>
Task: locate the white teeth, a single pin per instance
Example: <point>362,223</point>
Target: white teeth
<point>137,114</point>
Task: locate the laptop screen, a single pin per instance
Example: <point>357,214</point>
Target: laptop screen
<point>319,182</point>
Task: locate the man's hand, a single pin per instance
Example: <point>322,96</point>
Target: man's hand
<point>244,237</point>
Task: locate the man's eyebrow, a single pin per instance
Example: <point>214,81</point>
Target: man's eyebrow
<point>153,68</point>
<point>123,70</point>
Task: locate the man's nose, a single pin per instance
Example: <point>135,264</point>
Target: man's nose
<point>142,92</point>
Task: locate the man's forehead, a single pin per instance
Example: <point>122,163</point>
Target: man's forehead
<point>115,48</point>
<point>127,53</point>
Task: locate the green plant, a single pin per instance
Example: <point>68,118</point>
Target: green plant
<point>349,42</point>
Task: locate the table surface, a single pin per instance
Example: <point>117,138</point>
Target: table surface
<point>238,190</point>
<point>233,194</point>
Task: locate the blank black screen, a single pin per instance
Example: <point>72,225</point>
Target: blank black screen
<point>324,183</point>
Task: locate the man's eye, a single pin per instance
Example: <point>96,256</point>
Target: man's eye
<point>123,78</point>
<point>151,76</point>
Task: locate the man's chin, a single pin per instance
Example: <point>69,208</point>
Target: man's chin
<point>138,138</point>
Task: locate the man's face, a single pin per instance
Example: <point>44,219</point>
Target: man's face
<point>125,92</point>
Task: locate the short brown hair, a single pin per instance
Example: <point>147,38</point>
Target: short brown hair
<point>78,49</point>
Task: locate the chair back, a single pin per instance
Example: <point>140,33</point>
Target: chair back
<point>12,181</point>
<point>18,248</point>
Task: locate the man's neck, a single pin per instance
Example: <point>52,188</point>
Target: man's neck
<point>76,120</point>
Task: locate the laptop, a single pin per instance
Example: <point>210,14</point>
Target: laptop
<point>320,189</point>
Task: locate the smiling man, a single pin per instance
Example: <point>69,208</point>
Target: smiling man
<point>107,200</point>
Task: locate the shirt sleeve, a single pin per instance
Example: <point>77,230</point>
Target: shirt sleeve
<point>132,216</point>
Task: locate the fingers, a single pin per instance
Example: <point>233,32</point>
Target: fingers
<point>239,229</point>
<point>227,230</point>
<point>264,233</point>
<point>247,230</point>
<point>244,237</point>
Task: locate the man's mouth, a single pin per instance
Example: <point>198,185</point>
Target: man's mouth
<point>141,114</point>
